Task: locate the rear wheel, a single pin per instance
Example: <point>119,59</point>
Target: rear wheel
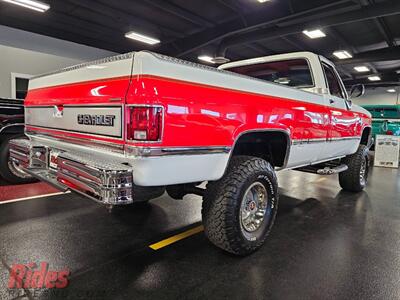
<point>355,178</point>
<point>239,209</point>
<point>9,170</point>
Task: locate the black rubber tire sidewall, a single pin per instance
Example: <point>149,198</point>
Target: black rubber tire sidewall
<point>349,180</point>
<point>222,203</point>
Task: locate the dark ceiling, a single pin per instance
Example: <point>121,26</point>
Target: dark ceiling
<point>369,29</point>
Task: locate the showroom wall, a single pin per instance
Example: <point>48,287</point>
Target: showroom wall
<point>26,53</point>
<point>379,95</point>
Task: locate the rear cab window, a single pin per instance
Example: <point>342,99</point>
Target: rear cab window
<point>294,73</point>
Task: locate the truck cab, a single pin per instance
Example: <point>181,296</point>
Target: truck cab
<point>301,70</point>
<point>317,75</point>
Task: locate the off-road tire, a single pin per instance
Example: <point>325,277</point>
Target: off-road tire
<point>222,203</point>
<point>350,179</point>
<point>5,168</point>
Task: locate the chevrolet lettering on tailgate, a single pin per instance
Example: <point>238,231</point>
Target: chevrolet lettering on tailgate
<point>96,120</point>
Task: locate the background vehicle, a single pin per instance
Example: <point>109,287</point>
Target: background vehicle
<point>11,127</point>
<point>384,108</point>
<point>145,121</point>
<point>385,119</point>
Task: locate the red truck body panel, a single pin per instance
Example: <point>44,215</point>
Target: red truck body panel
<point>202,115</point>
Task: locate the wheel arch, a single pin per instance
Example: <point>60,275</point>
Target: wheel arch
<point>272,145</point>
<point>366,136</point>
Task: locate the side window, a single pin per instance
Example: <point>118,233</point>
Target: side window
<point>335,87</point>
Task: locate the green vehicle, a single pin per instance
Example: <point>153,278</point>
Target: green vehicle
<point>384,105</point>
<point>385,119</point>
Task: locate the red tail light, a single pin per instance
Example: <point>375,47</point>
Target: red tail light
<point>389,132</point>
<point>145,123</point>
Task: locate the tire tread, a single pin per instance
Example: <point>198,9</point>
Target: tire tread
<point>220,200</point>
<point>349,180</point>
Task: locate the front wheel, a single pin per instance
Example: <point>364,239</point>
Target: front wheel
<point>355,178</point>
<point>240,208</point>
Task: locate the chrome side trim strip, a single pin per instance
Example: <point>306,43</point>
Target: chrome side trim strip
<point>324,140</point>
<point>345,138</point>
<point>308,141</point>
<point>147,151</point>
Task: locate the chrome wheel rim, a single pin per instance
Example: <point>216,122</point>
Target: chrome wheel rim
<point>253,207</point>
<point>17,170</point>
<point>363,172</point>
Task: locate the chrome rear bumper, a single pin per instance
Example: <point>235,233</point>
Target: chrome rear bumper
<point>107,183</point>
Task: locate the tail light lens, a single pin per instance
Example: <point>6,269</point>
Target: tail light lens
<point>145,123</point>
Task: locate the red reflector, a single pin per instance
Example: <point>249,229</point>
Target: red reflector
<point>389,132</point>
<point>145,123</point>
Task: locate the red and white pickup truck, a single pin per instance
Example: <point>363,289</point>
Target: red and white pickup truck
<point>125,128</point>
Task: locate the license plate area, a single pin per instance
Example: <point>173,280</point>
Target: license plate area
<point>53,159</point>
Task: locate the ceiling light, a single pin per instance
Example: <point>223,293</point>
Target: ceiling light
<point>391,91</point>
<point>206,58</point>
<point>374,78</point>
<point>141,38</point>
<point>220,60</point>
<point>314,34</point>
<point>31,4</point>
<point>262,1</point>
<point>342,54</point>
<point>361,69</point>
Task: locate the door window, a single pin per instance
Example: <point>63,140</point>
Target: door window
<point>335,88</point>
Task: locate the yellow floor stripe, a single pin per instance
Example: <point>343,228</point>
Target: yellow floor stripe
<point>175,238</point>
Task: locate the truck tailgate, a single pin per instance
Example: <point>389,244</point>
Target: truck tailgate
<point>86,99</point>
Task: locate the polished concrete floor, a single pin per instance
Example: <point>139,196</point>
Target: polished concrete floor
<point>326,244</point>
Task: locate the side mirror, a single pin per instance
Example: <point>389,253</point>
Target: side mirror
<point>357,91</point>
